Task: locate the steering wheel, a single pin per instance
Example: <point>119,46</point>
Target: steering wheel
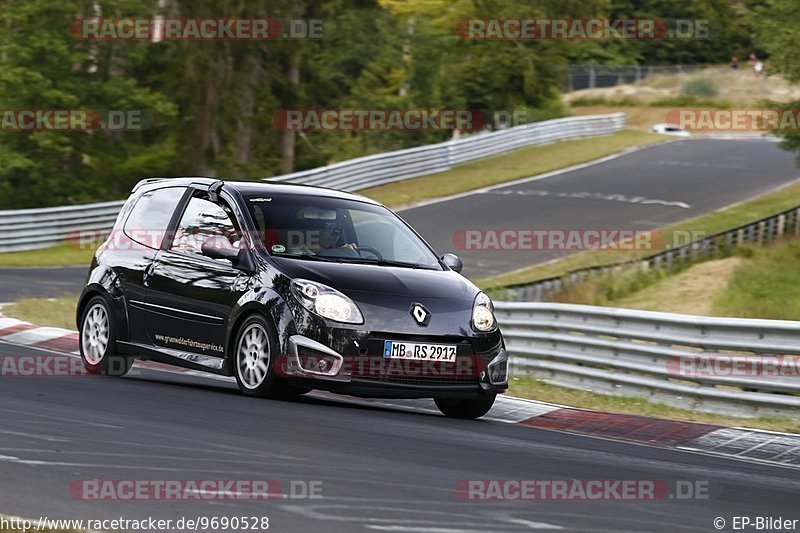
<point>370,250</point>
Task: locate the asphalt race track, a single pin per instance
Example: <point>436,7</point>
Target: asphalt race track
<point>16,283</point>
<point>647,189</point>
<point>380,469</point>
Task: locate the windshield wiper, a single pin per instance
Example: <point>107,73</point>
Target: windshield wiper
<point>310,257</point>
<point>356,260</point>
<point>385,262</point>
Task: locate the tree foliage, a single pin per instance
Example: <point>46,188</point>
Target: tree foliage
<point>210,105</point>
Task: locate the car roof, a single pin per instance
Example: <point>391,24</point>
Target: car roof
<point>250,188</point>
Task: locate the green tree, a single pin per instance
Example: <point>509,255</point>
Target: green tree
<point>776,26</point>
<point>44,67</point>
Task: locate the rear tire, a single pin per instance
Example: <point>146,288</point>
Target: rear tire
<point>469,409</point>
<point>97,341</point>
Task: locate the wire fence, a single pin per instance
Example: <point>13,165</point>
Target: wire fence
<point>579,77</point>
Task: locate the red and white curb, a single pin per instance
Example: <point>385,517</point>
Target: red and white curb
<point>26,334</point>
<point>733,442</point>
<point>740,443</point>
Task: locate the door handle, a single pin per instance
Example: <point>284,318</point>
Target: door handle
<point>148,271</point>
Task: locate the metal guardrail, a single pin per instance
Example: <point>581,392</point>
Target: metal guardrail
<point>664,357</point>
<point>758,232</point>
<point>27,229</point>
<point>388,167</point>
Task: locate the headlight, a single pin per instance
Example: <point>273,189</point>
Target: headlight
<point>483,313</point>
<point>326,302</point>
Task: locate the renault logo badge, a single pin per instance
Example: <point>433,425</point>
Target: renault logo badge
<point>420,314</point>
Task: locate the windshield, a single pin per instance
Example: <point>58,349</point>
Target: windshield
<point>332,229</point>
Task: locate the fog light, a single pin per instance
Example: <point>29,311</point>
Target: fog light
<point>319,364</point>
<point>313,359</point>
<point>498,369</point>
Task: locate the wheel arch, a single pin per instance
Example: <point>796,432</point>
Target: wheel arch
<point>103,281</point>
<point>273,308</point>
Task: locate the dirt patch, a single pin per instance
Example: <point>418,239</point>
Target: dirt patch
<point>691,292</point>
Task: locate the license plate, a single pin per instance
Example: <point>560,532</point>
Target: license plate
<point>419,351</point>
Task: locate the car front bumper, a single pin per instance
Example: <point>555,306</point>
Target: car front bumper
<point>350,361</point>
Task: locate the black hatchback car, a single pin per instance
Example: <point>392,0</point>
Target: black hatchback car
<point>288,288</point>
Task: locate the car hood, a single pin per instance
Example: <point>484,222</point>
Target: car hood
<point>354,278</point>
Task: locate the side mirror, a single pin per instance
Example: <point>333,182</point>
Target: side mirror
<point>221,248</point>
<point>453,262</point>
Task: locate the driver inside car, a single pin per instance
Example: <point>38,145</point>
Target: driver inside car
<point>328,238</point>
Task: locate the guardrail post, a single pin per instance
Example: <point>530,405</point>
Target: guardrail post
<point>797,221</point>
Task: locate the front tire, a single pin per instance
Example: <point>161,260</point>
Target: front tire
<point>254,353</point>
<point>97,341</point>
<point>469,409</point>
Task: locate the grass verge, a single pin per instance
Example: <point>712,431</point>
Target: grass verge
<point>529,387</point>
<point>508,167</point>
<point>61,255</point>
<point>58,312</point>
<point>723,219</point>
<point>764,285</point>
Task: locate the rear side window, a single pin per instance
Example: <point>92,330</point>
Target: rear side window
<point>150,217</point>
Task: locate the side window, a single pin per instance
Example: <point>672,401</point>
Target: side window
<point>201,220</point>
<point>149,218</point>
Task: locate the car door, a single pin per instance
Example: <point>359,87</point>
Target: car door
<point>189,295</point>
<point>133,249</point>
